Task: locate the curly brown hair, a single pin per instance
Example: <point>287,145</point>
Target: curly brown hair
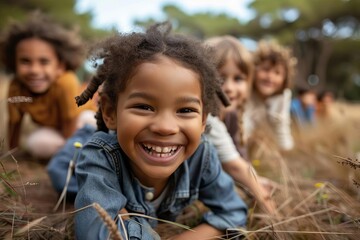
<point>122,53</point>
<point>67,43</point>
<point>276,54</point>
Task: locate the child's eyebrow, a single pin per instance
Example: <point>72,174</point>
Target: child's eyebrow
<point>141,95</point>
<point>150,97</point>
<point>189,100</point>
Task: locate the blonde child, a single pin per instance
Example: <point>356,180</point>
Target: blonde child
<point>157,92</point>
<point>42,57</point>
<point>269,104</point>
<point>235,66</point>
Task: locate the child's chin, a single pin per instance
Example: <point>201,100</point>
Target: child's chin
<point>39,90</point>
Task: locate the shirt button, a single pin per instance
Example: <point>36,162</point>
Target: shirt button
<point>149,196</point>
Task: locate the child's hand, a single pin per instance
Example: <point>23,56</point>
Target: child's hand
<point>267,202</point>
<point>123,211</point>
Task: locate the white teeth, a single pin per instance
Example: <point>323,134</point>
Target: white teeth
<point>161,150</point>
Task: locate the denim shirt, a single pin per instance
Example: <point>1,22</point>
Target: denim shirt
<point>105,177</point>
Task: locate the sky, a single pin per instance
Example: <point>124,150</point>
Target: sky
<point>121,13</point>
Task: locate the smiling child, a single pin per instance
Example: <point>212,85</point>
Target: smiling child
<point>157,91</point>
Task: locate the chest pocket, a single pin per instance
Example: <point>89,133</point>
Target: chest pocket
<point>181,203</point>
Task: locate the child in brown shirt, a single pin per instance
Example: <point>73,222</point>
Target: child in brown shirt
<point>42,56</point>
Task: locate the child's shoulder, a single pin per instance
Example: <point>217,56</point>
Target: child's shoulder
<point>68,78</point>
<point>205,141</point>
<point>205,150</point>
<point>104,140</point>
<point>14,88</point>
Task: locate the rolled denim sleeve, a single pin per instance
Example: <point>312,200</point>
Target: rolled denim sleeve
<point>218,193</point>
<point>98,183</point>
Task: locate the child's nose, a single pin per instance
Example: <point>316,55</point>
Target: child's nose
<point>228,86</point>
<point>35,68</point>
<point>271,75</point>
<point>165,124</point>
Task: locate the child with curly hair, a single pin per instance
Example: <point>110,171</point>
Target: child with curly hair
<point>42,57</point>
<point>235,66</point>
<point>150,158</point>
<point>269,104</point>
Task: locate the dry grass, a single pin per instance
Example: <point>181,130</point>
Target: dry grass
<point>315,192</point>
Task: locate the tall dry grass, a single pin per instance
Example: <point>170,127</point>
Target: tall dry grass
<point>313,187</point>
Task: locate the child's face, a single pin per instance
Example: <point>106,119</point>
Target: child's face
<point>37,65</point>
<point>159,118</point>
<point>235,83</point>
<point>308,99</point>
<point>269,78</point>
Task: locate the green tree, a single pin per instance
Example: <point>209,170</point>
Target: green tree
<point>62,11</point>
<point>201,25</point>
<point>324,35</point>
<point>321,33</point>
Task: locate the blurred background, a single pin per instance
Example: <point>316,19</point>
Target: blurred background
<point>324,170</point>
<point>324,34</point>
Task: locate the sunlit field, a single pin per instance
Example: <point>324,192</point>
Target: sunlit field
<point>316,187</point>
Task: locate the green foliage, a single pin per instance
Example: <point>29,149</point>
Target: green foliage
<point>319,31</point>
<point>201,25</point>
<point>325,34</point>
<point>325,31</point>
<point>61,11</point>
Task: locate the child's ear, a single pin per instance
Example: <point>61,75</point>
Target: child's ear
<point>108,113</point>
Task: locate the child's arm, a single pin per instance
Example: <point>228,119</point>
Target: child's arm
<point>203,231</point>
<point>13,135</point>
<point>68,86</point>
<point>14,124</point>
<point>243,173</point>
<point>217,191</point>
<point>237,167</point>
<point>68,127</point>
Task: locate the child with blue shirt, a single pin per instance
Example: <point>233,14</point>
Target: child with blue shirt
<point>303,107</point>
<point>157,91</point>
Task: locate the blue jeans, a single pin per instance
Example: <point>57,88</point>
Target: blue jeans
<point>59,163</point>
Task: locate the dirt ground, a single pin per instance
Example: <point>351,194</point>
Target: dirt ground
<point>30,180</point>
<point>35,194</point>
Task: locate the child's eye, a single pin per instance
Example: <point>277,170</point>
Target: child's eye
<point>24,61</point>
<point>240,78</point>
<point>277,72</point>
<point>143,107</point>
<point>44,61</point>
<point>188,110</point>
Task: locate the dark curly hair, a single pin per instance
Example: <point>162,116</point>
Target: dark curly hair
<point>122,53</point>
<point>67,44</point>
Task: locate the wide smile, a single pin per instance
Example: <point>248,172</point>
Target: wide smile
<point>160,154</point>
<point>35,82</point>
<point>267,83</point>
